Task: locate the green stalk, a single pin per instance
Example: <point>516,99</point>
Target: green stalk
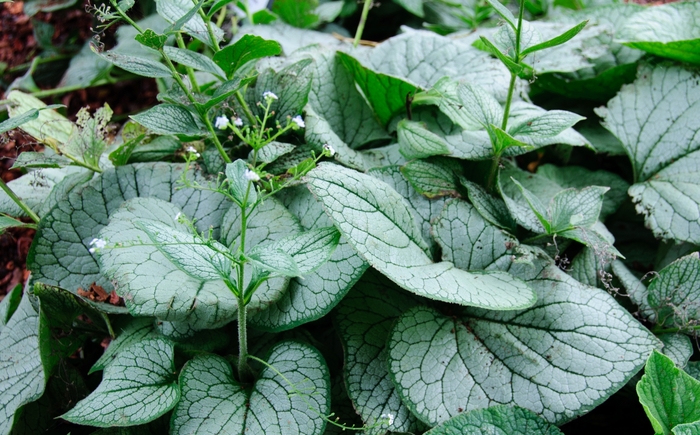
<point>242,304</point>
<point>19,202</point>
<point>363,20</point>
<point>657,330</point>
<point>125,17</point>
<point>246,109</point>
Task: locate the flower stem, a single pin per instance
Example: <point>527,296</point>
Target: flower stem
<point>18,201</point>
<point>361,25</point>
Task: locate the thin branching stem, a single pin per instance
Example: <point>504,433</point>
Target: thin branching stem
<point>363,21</point>
<point>18,201</point>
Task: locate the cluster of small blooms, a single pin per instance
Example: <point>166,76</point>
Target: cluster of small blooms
<point>329,149</point>
<point>238,122</point>
<point>267,95</point>
<point>389,417</point>
<point>298,121</point>
<point>251,175</point>
<point>193,150</point>
<point>221,122</point>
<point>96,245</point>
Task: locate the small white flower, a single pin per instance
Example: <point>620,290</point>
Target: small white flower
<point>389,417</point>
<point>329,149</point>
<point>251,175</point>
<point>97,244</point>
<point>221,122</point>
<point>267,95</point>
<point>238,122</point>
<point>298,121</point>
<point>193,150</point>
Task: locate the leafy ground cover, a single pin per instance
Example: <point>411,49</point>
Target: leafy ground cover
<point>487,222</point>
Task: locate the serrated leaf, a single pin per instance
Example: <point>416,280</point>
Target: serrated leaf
<point>169,119</point>
<point>497,419</point>
<point>673,295</point>
<point>381,228</point>
<point>22,376</point>
<point>135,64</point>
<point>467,240</point>
<point>364,319</point>
<point>656,119</point>
<point>175,10</point>
<point>317,293</point>
<point>214,402</point>
<point>559,358</point>
<point>59,255</point>
<point>668,394</point>
<point>669,31</point>
<point>245,49</point>
<point>416,141</point>
<point>139,386</point>
<point>194,60</point>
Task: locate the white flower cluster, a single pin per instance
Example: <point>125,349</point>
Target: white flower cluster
<point>251,175</point>
<point>221,122</point>
<point>97,244</point>
<point>269,96</point>
<point>329,149</point>
<point>238,122</point>
<point>193,150</point>
<point>298,121</point>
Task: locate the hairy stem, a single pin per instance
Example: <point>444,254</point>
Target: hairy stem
<point>18,201</point>
<point>363,21</point>
<point>242,338</point>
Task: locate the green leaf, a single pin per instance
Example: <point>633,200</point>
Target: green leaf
<point>22,375</point>
<point>309,249</point>
<point>687,429</point>
<point>576,208</point>
<point>49,127</point>
<point>364,319</point>
<point>137,387</point>
<point>30,159</point>
<point>380,226</point>
<point>298,13</point>
<point>291,38</point>
<point>468,241</point>
<point>417,142</point>
<point>656,119</point>
<point>547,124</point>
<point>175,11</point>
<point>542,213</point>
<point>245,49</point>
<point>432,178</point>
<point>169,119</point>
<point>482,106</point>
<point>668,394</point>
<point>238,185</point>
<point>385,94</point>
<point>194,60</point>
<point>33,188</point>
<point>673,296</point>
<point>85,68</point>
<point>9,304</point>
<point>273,260</point>
<point>151,39</point>
<point>8,222</point>
<point>504,12</point>
<point>558,40</point>
<point>669,31</point>
<point>136,330</point>
<point>335,98</point>
<point>135,64</point>
<point>17,120</point>
<point>519,69</point>
<point>677,347</point>
<point>318,292</point>
<point>290,395</point>
<point>87,143</point>
<point>497,419</point>
<point>413,6</point>
<point>291,85</point>
<point>559,358</point>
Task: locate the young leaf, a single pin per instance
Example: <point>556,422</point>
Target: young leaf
<point>668,394</point>
<point>151,39</point>
<point>511,420</point>
<point>194,60</point>
<point>139,386</point>
<point>656,120</point>
<point>519,69</point>
<point>245,49</point>
<point>183,14</point>
<point>537,207</point>
<point>309,249</point>
<point>17,120</point>
<point>548,357</point>
<point>239,186</point>
<point>273,260</point>
<point>504,12</point>
<point>22,375</point>
<point>169,119</point>
<point>576,208</point>
<point>669,31</point>
<point>558,40</point>
<point>134,64</point>
<point>290,395</point>
<point>385,234</point>
<point>492,209</point>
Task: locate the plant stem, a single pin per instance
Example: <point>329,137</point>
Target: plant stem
<point>19,202</point>
<point>215,139</point>
<point>246,109</point>
<point>363,20</point>
<point>242,337</point>
<point>125,17</point>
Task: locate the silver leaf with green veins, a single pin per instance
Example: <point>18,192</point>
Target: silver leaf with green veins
<point>380,226</point>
